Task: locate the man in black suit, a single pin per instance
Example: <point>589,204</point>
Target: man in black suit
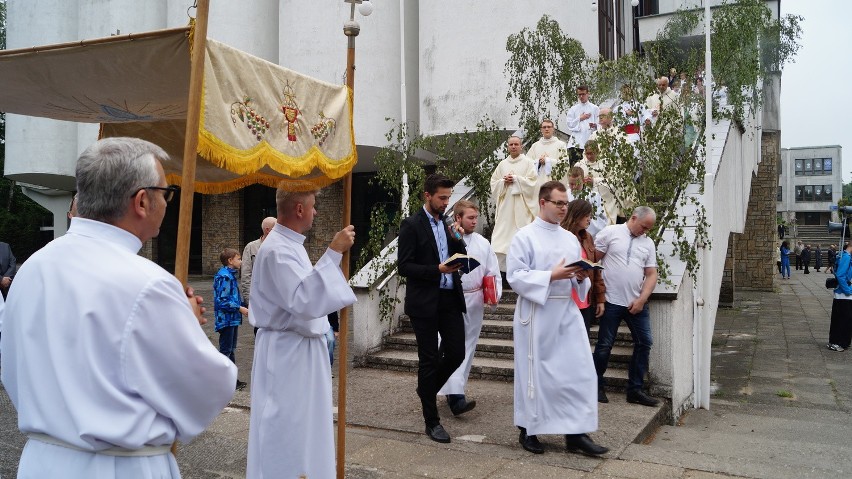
<point>433,298</point>
<point>7,267</point>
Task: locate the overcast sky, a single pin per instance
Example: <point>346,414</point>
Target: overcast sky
<point>816,100</point>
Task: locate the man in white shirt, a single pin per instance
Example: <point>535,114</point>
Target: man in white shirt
<point>291,433</point>
<point>546,152</point>
<point>581,120</point>
<point>554,372</point>
<point>514,189</point>
<point>466,215</point>
<point>630,274</point>
<point>103,356</point>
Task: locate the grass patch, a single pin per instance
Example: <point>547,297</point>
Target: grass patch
<point>783,393</point>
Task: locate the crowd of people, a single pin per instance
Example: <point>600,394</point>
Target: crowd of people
<point>118,350</point>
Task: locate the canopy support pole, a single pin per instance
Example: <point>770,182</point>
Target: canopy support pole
<point>190,147</point>
<point>343,360</point>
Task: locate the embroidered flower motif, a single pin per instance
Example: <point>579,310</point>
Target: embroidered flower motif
<point>323,128</point>
<point>255,122</point>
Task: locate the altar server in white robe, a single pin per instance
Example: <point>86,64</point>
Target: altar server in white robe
<point>514,189</point>
<point>291,433</point>
<point>103,356</point>
<point>555,379</point>
<point>547,152</point>
<point>466,215</point>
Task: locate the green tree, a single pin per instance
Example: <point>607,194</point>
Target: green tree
<point>747,46</point>
<point>543,70</point>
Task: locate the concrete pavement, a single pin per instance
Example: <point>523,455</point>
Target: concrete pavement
<point>781,409</point>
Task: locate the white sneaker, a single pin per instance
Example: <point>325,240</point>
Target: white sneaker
<point>835,347</point>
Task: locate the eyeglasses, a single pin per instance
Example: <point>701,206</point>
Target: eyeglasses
<point>168,191</point>
<point>559,204</point>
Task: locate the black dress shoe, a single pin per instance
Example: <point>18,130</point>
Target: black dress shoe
<point>602,396</point>
<point>462,407</point>
<point>639,397</point>
<point>584,443</point>
<point>437,433</point>
<point>530,443</point>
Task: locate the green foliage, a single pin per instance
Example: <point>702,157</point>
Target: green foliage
<point>544,69</point>
<point>846,198</point>
<point>401,167</point>
<point>747,45</point>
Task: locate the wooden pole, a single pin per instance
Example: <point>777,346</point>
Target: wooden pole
<point>190,147</point>
<point>343,362</point>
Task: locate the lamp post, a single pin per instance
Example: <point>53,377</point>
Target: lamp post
<point>351,29</point>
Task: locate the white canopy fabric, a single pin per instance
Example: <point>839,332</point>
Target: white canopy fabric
<point>260,123</point>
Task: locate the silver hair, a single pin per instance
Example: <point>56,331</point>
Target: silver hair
<point>110,171</point>
<point>643,211</point>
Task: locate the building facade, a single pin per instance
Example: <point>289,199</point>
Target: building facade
<point>810,182</point>
<point>434,64</point>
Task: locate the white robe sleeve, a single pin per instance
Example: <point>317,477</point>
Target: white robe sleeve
<point>311,293</point>
<point>168,361</point>
<point>529,283</point>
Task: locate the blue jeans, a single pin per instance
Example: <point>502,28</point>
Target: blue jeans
<point>640,330</point>
<point>331,342</point>
<point>228,342</point>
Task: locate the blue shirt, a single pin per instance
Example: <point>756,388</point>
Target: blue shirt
<point>440,232</point>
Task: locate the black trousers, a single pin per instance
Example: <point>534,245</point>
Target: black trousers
<point>588,317</point>
<point>437,365</point>
<point>798,261</point>
<point>840,331</point>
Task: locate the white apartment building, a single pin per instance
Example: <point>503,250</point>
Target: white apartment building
<point>810,182</point>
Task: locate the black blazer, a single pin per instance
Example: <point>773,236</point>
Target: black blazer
<point>418,261</point>
<point>7,261</point>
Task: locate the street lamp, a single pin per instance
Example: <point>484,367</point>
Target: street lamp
<point>351,29</point>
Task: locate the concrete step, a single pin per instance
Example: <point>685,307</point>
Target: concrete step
<point>502,329</point>
<point>500,369</point>
<point>498,348</point>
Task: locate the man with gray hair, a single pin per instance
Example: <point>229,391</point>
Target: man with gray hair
<point>103,356</point>
<point>630,275</point>
<point>249,253</point>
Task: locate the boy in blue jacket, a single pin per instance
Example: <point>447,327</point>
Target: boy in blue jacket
<point>228,304</point>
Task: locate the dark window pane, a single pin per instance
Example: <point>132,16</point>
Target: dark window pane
<point>809,193</point>
<point>799,166</point>
<point>800,193</point>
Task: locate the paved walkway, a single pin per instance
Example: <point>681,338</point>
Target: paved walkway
<point>780,410</point>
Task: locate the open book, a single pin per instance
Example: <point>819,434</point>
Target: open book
<point>585,265</point>
<point>469,263</point>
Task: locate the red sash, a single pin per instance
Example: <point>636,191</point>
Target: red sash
<point>582,304</point>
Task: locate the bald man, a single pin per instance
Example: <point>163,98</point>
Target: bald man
<point>656,102</point>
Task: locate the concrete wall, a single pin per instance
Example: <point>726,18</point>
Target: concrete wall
<point>671,359</point>
<point>463,52</point>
